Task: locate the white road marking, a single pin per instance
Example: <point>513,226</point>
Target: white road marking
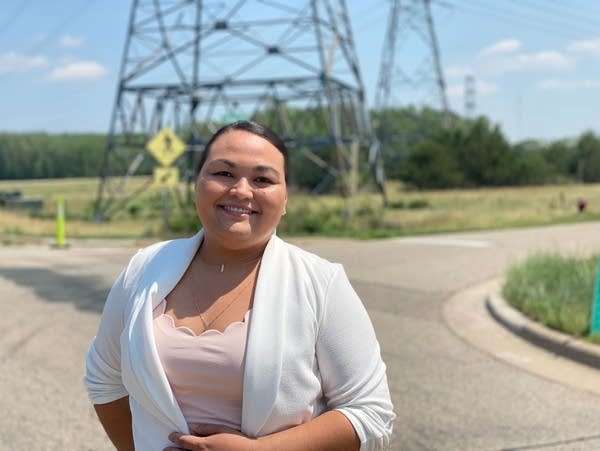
<point>429,241</point>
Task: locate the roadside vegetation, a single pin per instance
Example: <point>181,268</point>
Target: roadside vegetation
<point>410,212</point>
<point>554,290</point>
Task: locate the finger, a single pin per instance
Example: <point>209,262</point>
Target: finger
<point>205,429</point>
<point>185,441</point>
<point>174,436</point>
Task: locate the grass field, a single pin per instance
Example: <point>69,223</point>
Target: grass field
<point>410,212</point>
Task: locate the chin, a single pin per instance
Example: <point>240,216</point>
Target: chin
<point>241,238</point>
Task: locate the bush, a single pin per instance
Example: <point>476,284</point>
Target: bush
<point>185,222</point>
<point>313,221</point>
<point>554,290</point>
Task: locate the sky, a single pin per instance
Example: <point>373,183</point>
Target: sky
<point>535,63</point>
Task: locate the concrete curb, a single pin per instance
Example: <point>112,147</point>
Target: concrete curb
<point>551,340</point>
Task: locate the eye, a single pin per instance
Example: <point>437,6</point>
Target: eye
<point>223,174</point>
<point>263,180</point>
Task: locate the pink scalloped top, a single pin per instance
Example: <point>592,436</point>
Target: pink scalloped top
<point>205,371</point>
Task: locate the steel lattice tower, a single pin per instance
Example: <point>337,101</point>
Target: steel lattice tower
<point>404,79</point>
<point>192,65</point>
<point>470,97</point>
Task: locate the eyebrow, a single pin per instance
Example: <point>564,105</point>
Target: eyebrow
<point>260,168</point>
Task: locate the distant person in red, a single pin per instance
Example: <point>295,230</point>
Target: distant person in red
<point>581,204</point>
<point>233,339</point>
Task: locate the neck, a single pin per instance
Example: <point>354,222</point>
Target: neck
<point>213,254</point>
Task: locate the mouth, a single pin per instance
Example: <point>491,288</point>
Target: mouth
<point>237,210</point>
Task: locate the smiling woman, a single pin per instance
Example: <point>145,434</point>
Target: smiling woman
<point>241,189</point>
<point>233,339</point>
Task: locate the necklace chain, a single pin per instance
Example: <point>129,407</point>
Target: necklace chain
<point>206,324</point>
<point>221,266</point>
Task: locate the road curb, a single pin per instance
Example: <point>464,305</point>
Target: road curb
<point>556,342</point>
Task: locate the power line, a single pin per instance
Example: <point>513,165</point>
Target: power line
<point>513,16</point>
<point>60,28</point>
<point>561,12</point>
<point>56,31</point>
<point>552,19</point>
<point>13,17</point>
<point>589,6</point>
<point>510,17</point>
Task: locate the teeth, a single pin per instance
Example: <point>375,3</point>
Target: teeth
<point>239,210</point>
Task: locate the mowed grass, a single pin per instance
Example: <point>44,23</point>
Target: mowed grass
<point>490,208</point>
<point>409,212</point>
<point>79,195</point>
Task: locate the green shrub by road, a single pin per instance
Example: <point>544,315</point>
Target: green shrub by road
<point>554,290</point>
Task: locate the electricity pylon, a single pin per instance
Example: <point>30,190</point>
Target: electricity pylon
<point>193,65</point>
<point>410,70</point>
<point>470,97</point>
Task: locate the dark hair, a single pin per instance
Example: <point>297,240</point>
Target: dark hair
<point>256,129</point>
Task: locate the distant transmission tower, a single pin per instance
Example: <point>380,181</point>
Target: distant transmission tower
<point>410,70</point>
<point>470,97</point>
<point>193,65</point>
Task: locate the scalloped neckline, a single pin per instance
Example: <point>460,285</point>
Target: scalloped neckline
<point>193,334</point>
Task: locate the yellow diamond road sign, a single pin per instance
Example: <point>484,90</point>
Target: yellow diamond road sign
<point>165,146</point>
<point>166,176</point>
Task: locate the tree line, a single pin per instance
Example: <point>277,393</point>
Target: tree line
<point>42,155</point>
<point>416,150</point>
<point>475,153</point>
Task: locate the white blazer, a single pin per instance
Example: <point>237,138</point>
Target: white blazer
<point>311,347</point>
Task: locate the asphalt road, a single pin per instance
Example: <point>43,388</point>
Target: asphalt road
<point>449,393</point>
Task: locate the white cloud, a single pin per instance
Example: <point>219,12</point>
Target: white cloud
<point>15,62</point>
<point>502,47</point>
<point>548,58</point>
<point>71,41</point>
<point>81,70</point>
<point>568,85</point>
<point>585,46</point>
<point>500,64</point>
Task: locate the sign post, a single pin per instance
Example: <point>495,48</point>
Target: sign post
<point>595,320</point>
<point>166,147</point>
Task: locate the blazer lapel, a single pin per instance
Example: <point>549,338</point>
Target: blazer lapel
<point>264,348</point>
<point>142,370</point>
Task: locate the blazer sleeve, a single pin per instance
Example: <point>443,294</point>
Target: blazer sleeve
<point>353,374</point>
<point>103,359</point>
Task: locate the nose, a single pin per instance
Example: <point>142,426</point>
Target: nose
<point>241,188</point>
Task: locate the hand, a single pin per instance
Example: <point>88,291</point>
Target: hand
<point>211,437</point>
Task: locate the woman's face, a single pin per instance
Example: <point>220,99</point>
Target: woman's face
<point>241,191</point>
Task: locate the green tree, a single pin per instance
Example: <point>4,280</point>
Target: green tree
<point>432,166</point>
<point>562,156</point>
<point>483,154</point>
<point>587,158</point>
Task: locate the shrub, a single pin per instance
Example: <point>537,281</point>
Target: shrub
<point>554,290</point>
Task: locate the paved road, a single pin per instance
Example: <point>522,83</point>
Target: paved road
<point>449,394</point>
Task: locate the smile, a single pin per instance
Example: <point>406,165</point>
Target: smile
<point>237,210</point>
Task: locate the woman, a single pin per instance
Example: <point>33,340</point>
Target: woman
<point>234,339</point>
